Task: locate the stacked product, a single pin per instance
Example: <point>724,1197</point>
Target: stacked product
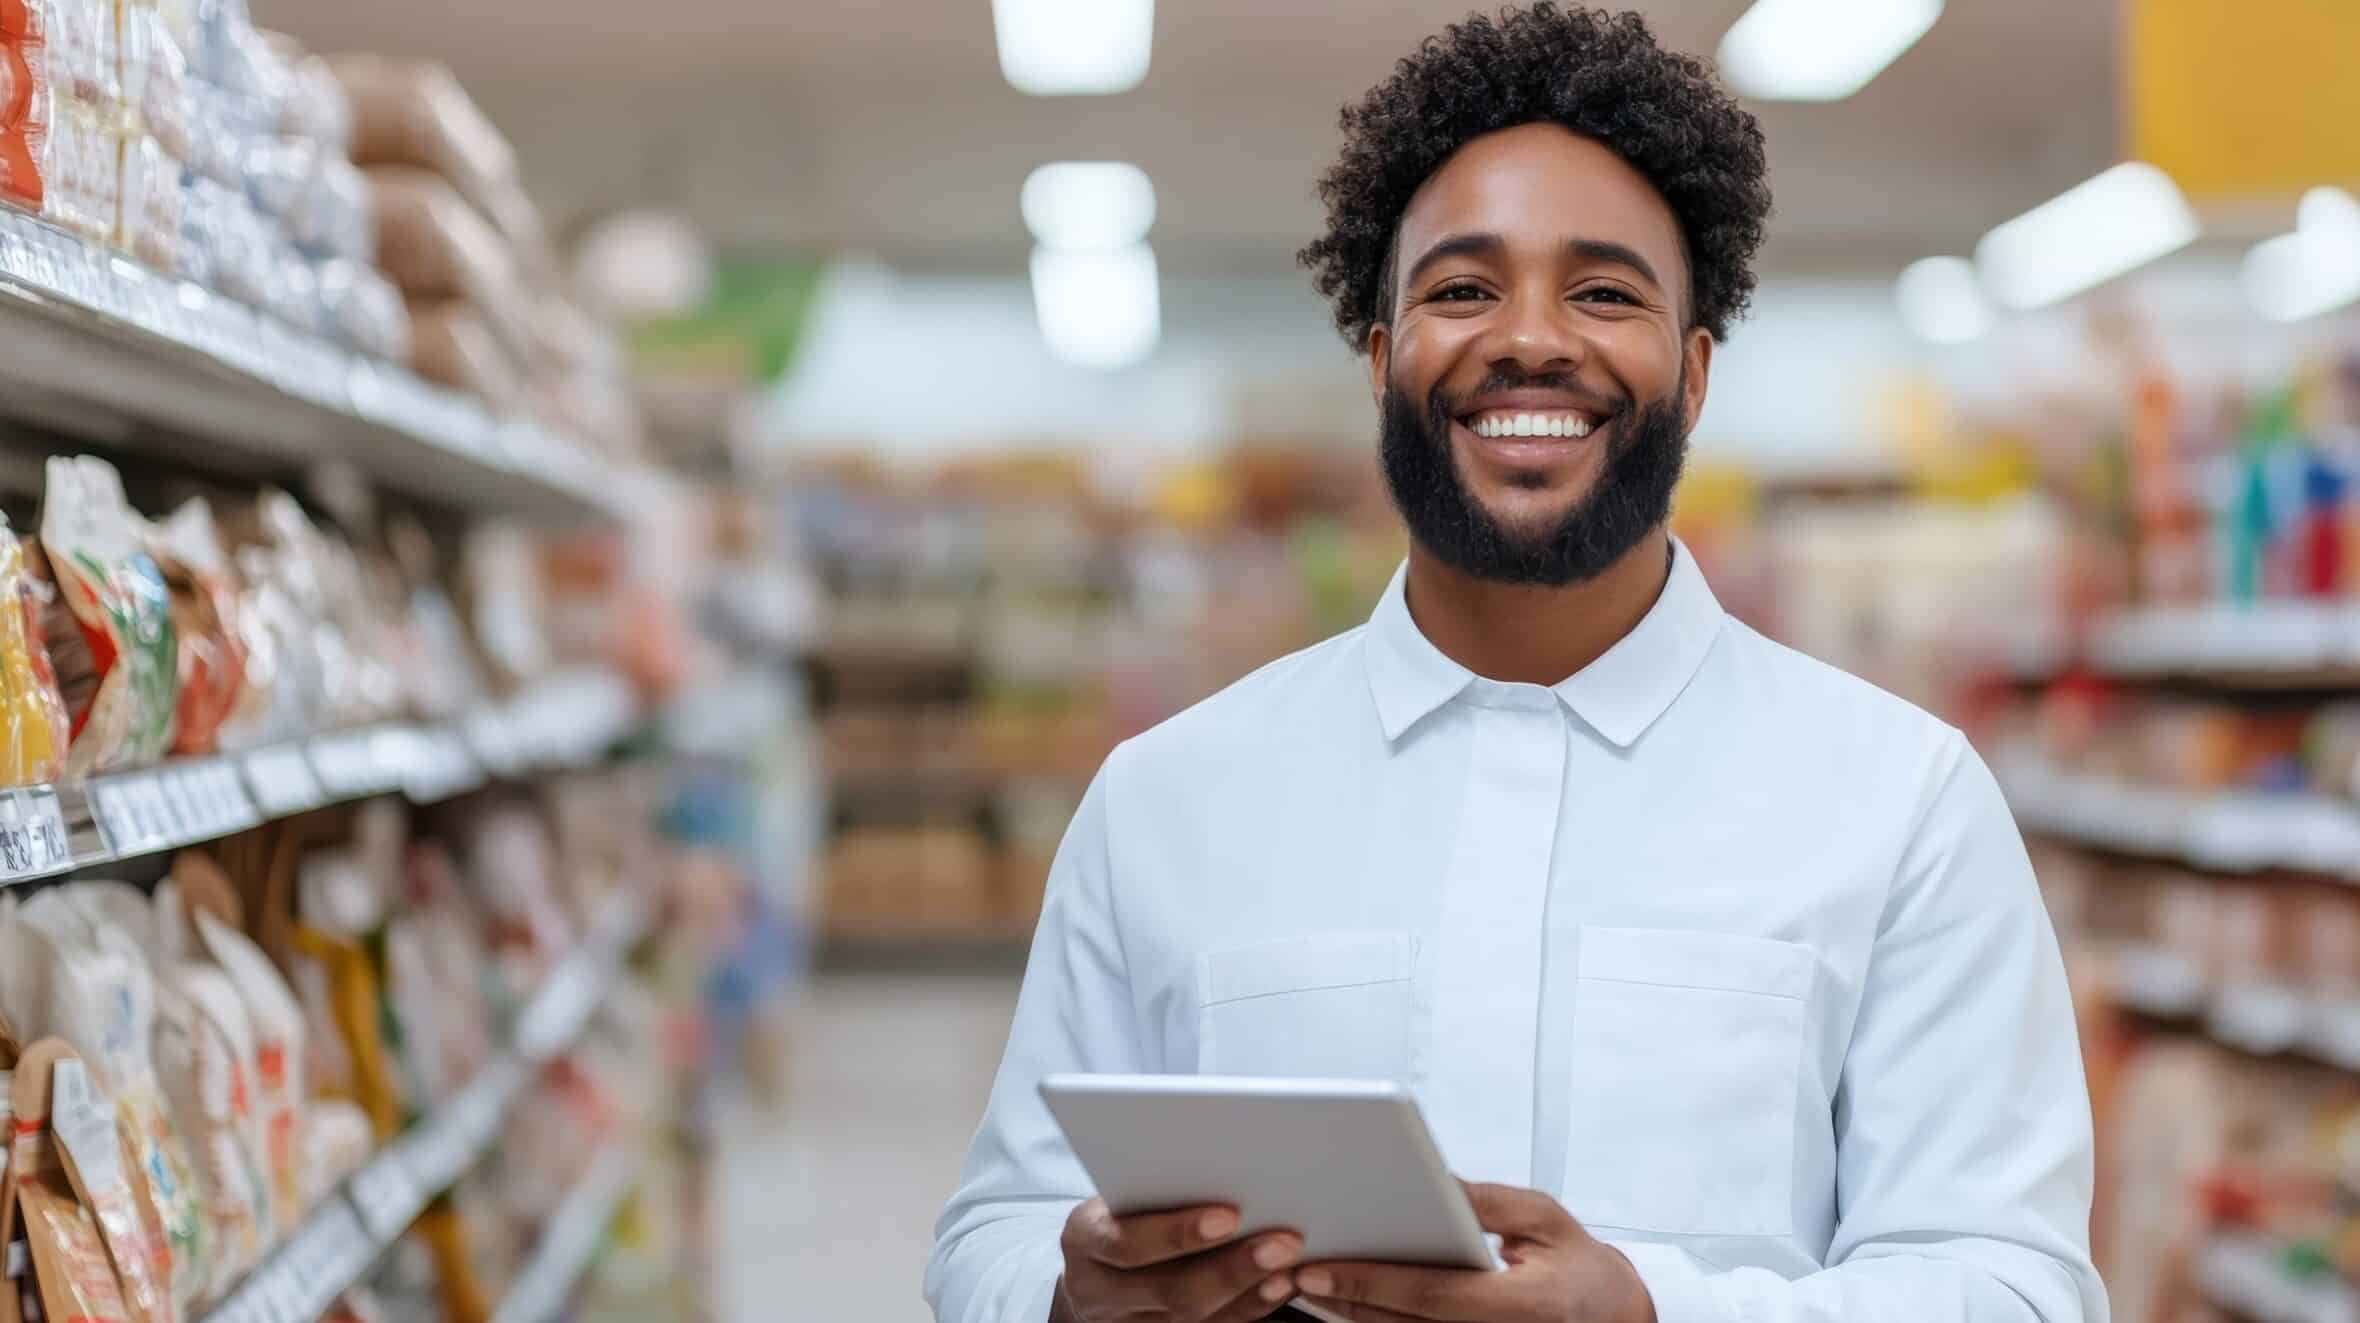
<point>135,639</point>
<point>998,626</point>
<point>468,250</point>
<point>197,1068</point>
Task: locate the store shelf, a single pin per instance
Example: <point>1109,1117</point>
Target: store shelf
<point>570,1241</point>
<point>2222,831</point>
<point>565,721</point>
<point>2247,1275</point>
<point>2299,645</point>
<point>2256,1017</point>
<point>344,1237</point>
<point>104,350</point>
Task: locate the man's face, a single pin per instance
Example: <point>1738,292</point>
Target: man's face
<point>1537,378</point>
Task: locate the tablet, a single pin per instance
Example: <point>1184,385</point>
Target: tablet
<point>1348,1164</point>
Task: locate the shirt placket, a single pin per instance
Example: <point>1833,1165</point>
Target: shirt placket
<point>1489,959</point>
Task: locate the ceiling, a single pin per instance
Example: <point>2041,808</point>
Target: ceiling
<point>885,127</point>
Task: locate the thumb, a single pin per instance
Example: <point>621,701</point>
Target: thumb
<point>1521,1214</point>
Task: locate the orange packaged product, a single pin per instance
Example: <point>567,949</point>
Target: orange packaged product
<point>212,657</point>
<point>20,171</point>
<point>33,726</point>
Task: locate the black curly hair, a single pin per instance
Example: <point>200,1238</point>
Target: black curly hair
<point>1597,73</point>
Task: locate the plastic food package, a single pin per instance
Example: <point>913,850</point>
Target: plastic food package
<point>80,169</point>
<point>69,1260</point>
<point>451,345</point>
<point>156,80</point>
<point>149,222</point>
<point>33,727</point>
<point>317,105</point>
<point>217,142</point>
<point>432,245</point>
<point>82,52</point>
<point>365,312</point>
<point>413,112</point>
<point>329,215</point>
<point>116,654</point>
<point>204,613</point>
<point>283,674</point>
<point>278,1055</point>
<point>102,992</point>
<point>82,1117</point>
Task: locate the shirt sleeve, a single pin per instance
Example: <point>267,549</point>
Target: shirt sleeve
<point>1963,1167</point>
<point>996,1257</point>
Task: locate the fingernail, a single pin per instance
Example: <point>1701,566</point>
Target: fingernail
<point>1276,1253</point>
<point>1315,1281</point>
<point>1216,1224</point>
<point>1276,1289</point>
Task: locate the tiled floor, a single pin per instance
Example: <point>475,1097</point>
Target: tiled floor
<point>826,1206</point>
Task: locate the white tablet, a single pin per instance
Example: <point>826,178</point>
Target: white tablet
<point>1348,1164</point>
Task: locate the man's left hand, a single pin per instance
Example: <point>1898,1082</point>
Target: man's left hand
<point>1556,1273</point>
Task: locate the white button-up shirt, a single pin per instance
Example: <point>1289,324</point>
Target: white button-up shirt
<point>1737,956</point>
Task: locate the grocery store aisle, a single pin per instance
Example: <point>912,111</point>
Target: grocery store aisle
<point>826,1206</point>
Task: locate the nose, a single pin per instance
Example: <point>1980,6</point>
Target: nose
<point>1534,332</point>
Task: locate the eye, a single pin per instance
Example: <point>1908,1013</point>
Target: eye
<point>1606,294</point>
<point>1468,293</point>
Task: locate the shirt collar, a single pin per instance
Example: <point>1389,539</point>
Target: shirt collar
<point>1620,694</point>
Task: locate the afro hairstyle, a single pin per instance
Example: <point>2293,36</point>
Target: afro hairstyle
<point>1597,73</point>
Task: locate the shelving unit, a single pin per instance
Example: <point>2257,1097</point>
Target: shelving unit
<point>2262,645</point>
<point>2223,832</point>
<point>565,721</point>
<point>2244,1275</point>
<point>344,1237</point>
<point>104,350</point>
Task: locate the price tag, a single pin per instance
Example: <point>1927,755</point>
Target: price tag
<point>33,839</point>
<point>127,812</point>
<point>388,1199</point>
<point>183,820</point>
<point>281,780</point>
<point>325,1256</point>
<point>347,765</point>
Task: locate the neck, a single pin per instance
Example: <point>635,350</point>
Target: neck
<point>1529,634</point>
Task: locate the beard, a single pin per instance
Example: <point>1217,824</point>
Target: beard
<point>1646,450</point>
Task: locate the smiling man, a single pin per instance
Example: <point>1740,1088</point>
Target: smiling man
<point>1720,975</point>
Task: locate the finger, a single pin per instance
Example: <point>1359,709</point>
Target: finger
<point>1204,1286</point>
<point>1265,1298</point>
<point>1147,1239</point>
<point>1360,1313</point>
<point>1430,1293</point>
<point>1521,1214</point>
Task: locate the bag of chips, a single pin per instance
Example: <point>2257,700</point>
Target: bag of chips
<point>71,1274</point>
<point>110,635</point>
<point>204,614</point>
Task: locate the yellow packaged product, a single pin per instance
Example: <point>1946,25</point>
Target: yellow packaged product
<point>33,727</point>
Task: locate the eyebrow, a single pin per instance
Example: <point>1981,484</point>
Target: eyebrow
<point>1486,244</point>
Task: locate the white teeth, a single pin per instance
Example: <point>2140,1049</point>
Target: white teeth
<point>1531,424</point>
<point>1525,424</point>
<point>1581,426</point>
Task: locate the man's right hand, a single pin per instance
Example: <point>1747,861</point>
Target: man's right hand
<point>1184,1266</point>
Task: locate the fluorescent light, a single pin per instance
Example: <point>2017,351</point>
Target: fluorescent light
<point>1089,204</point>
<point>1820,50</point>
<point>2316,269</point>
<point>1101,309</point>
<point>1941,302</point>
<point>1074,47</point>
<point>2100,228</point>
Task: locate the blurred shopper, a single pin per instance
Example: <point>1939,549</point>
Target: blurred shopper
<point>1722,971</point>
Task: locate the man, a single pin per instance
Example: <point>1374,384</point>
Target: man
<point>1720,974</point>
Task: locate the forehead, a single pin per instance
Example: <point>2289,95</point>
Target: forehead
<point>1537,185</point>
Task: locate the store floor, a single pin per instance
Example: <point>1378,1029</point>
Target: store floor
<point>826,1203</point>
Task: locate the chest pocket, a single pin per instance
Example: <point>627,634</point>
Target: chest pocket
<point>1687,1048</point>
<point>1332,1005</point>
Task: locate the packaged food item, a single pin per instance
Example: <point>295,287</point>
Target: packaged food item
<point>21,184</point>
<point>365,312</point>
<point>72,1274</point>
<point>413,112</point>
<point>434,246</point>
<point>102,994</point>
<point>33,725</point>
<point>452,345</point>
<point>80,168</point>
<point>82,53</point>
<point>212,651</point>
<point>156,79</point>
<point>114,647</point>
<point>149,223</point>
<point>82,1117</point>
<point>278,1057</point>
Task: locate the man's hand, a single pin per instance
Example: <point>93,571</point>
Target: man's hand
<point>1184,1267</point>
<point>1556,1273</point>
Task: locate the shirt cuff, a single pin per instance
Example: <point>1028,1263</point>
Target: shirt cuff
<point>1674,1281</point>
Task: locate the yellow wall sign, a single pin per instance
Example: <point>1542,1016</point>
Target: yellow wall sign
<point>2239,99</point>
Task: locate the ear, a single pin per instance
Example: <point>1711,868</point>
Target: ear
<point>1698,364</point>
<point>1380,360</point>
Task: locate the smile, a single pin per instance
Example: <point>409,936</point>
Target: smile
<point>1507,422</point>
